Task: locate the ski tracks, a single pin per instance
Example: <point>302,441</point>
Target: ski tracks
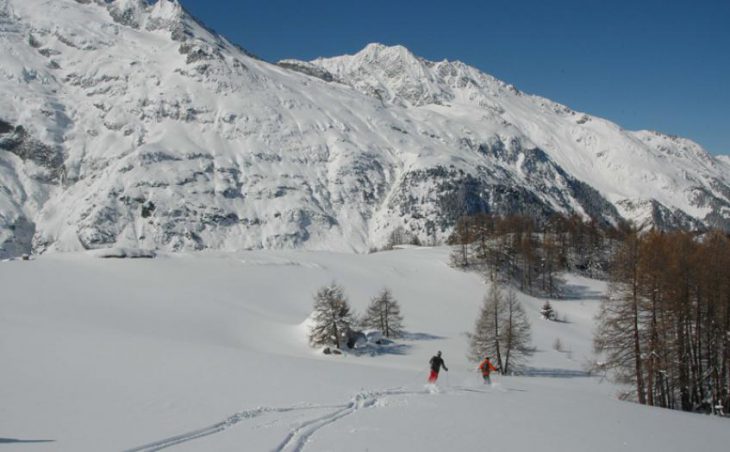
<point>298,437</point>
<point>221,426</point>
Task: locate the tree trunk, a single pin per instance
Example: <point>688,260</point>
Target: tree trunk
<point>653,347</point>
<point>508,345</point>
<point>385,320</point>
<point>336,332</point>
<point>635,314</point>
<point>682,364</point>
<point>496,332</point>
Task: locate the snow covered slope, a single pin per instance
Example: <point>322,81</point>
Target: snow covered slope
<point>625,167</point>
<point>132,125</point>
<point>207,351</point>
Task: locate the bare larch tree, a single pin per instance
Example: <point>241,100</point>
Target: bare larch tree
<point>332,317</point>
<point>384,315</point>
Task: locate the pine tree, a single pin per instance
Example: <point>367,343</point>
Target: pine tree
<point>332,317</point>
<point>384,314</point>
<point>547,311</point>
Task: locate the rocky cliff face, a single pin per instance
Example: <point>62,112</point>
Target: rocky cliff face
<point>129,124</point>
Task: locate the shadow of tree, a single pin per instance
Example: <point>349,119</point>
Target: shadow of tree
<point>385,346</point>
<point>378,350</point>
<point>553,373</point>
<point>580,292</point>
<point>420,337</point>
<point>16,441</point>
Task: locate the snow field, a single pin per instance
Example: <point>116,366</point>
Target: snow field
<point>207,352</point>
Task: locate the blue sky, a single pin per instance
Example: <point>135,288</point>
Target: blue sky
<point>645,64</point>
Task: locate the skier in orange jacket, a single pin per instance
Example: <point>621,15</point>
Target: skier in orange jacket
<point>486,367</point>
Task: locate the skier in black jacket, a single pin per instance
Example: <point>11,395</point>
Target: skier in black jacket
<point>436,364</point>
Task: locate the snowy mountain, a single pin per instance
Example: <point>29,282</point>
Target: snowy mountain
<point>129,124</point>
<point>724,159</point>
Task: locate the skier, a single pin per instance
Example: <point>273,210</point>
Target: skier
<point>436,364</point>
<point>486,367</point>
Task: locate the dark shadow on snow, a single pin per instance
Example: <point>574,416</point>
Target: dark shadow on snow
<point>553,373</point>
<point>16,441</point>
<point>378,350</point>
<point>556,320</point>
<point>420,337</point>
<point>580,292</point>
<point>372,343</point>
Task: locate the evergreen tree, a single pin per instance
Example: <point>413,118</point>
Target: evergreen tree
<point>547,311</point>
<point>332,317</point>
<point>384,314</point>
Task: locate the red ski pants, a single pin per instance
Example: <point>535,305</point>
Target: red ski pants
<point>433,376</point>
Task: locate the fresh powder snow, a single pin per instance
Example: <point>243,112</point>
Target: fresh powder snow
<point>208,351</point>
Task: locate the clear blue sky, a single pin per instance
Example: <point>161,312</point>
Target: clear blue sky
<point>645,64</point>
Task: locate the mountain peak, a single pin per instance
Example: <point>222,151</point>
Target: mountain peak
<point>390,73</point>
<point>128,12</point>
<point>141,13</point>
<point>386,55</point>
<point>381,50</point>
<point>167,9</point>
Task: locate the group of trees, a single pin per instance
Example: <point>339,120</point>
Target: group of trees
<point>400,236</point>
<point>334,321</point>
<point>665,327</point>
<point>531,253</point>
<point>502,330</point>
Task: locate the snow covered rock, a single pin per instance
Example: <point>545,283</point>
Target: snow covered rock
<point>307,68</point>
<point>128,12</point>
<point>123,253</point>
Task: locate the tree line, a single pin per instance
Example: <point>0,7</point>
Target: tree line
<point>531,253</point>
<point>663,329</point>
<point>665,326</point>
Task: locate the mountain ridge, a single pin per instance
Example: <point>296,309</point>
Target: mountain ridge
<point>134,125</point>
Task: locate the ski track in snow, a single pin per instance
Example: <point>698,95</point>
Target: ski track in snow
<point>221,426</point>
<point>297,438</point>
